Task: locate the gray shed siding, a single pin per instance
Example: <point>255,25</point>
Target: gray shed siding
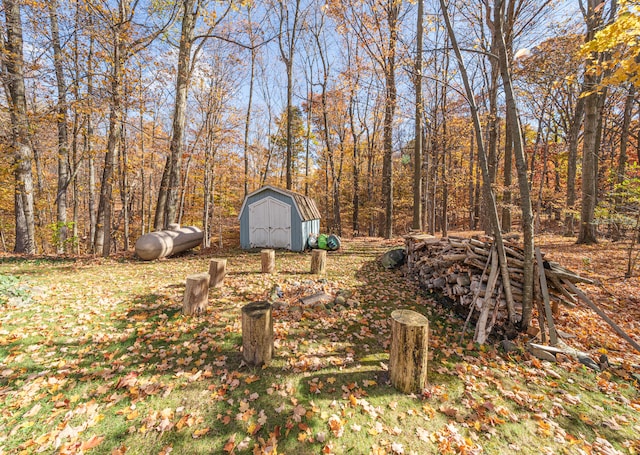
<point>300,230</point>
<point>307,228</point>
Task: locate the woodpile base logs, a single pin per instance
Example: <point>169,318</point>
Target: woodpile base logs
<point>268,259</point>
<point>257,333</point>
<point>217,272</point>
<point>318,261</point>
<point>466,270</point>
<point>196,293</point>
<point>409,349</point>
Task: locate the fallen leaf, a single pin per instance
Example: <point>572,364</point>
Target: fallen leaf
<point>94,441</point>
<point>199,433</point>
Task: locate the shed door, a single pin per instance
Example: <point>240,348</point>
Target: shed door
<point>270,224</point>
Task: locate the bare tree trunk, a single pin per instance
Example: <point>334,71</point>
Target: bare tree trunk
<point>184,190</point>
<point>63,143</point>
<point>572,163</point>
<point>124,185</point>
<point>247,118</point>
<point>593,99</point>
<point>103,226</point>
<point>492,125</point>
<point>356,168</point>
<point>190,14</point>
<point>393,12</point>
<point>624,140</point>
<point>521,167</point>
<point>161,204</point>
<point>417,151</point>
<point>445,152</point>
<point>88,149</point>
<point>13,80</point>
<point>143,173</point>
<point>287,52</point>
<point>472,223</point>
<point>77,125</point>
<point>543,178</point>
<point>507,174</point>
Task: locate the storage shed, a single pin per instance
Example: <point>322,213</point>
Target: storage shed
<point>273,217</point>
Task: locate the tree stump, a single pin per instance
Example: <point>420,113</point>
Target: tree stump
<point>268,258</point>
<point>408,356</point>
<point>217,272</point>
<point>257,333</point>
<point>318,261</point>
<point>196,293</point>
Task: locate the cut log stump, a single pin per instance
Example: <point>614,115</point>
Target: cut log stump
<point>217,272</point>
<point>268,258</point>
<point>318,261</point>
<point>409,346</point>
<point>257,333</point>
<point>196,293</point>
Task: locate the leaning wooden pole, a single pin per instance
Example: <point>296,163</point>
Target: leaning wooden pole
<point>486,182</point>
<point>553,336</point>
<point>602,314</point>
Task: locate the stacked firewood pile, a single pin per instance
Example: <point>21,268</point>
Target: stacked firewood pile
<point>467,271</point>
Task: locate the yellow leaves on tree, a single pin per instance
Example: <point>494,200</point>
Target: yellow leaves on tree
<point>621,39</point>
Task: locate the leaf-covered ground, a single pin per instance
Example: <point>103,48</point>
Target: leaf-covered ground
<point>96,357</point>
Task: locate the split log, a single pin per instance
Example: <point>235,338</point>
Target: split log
<point>481,333</point>
<point>318,261</point>
<point>196,294</point>
<point>217,272</point>
<point>408,355</point>
<point>553,337</point>
<point>257,333</point>
<point>268,259</point>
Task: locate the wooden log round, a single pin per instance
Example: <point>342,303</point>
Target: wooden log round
<point>196,293</point>
<point>217,272</point>
<point>318,261</point>
<point>409,346</point>
<point>257,333</point>
<point>268,259</point>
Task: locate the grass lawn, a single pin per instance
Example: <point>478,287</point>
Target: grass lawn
<point>96,357</point>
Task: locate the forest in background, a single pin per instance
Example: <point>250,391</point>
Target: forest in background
<point>120,117</point>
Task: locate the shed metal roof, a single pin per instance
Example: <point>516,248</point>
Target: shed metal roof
<point>306,206</point>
